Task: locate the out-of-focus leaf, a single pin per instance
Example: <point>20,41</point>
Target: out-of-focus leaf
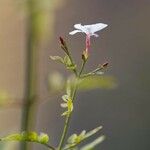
<point>4,98</point>
<point>57,58</point>
<point>94,82</point>
<point>68,88</point>
<point>27,136</point>
<point>75,139</point>
<point>93,144</point>
<point>8,146</point>
<point>56,82</point>
<point>92,132</point>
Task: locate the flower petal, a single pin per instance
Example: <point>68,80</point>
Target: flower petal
<point>96,35</point>
<point>97,27</point>
<point>78,26</point>
<point>74,32</point>
<point>81,28</point>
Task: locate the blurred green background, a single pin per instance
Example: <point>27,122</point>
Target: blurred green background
<point>123,112</point>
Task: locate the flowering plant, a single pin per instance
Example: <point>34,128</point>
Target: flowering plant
<point>72,85</point>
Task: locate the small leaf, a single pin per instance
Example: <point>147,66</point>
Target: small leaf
<point>65,98</point>
<point>67,61</point>
<point>57,58</point>
<point>93,144</point>
<point>65,113</point>
<point>75,139</point>
<point>69,64</point>
<point>72,138</point>
<point>92,132</point>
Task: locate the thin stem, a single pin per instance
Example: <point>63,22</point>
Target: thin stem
<point>74,70</point>
<point>49,146</point>
<point>82,67</point>
<point>67,122</point>
<point>68,117</point>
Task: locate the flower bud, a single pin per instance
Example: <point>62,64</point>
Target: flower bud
<point>85,55</point>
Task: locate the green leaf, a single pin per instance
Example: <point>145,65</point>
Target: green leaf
<point>75,139</point>
<point>69,64</point>
<point>72,138</point>
<point>67,61</point>
<point>93,144</point>
<point>94,82</point>
<point>57,58</point>
<point>92,132</point>
<point>27,136</point>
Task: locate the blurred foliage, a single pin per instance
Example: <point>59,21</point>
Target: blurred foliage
<point>93,144</point>
<point>27,136</point>
<point>58,82</point>
<point>75,139</point>
<point>8,146</point>
<point>41,15</point>
<point>95,82</point>
<point>4,98</point>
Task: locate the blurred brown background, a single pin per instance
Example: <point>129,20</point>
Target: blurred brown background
<point>124,111</point>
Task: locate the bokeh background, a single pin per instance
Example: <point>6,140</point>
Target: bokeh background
<point>123,111</point>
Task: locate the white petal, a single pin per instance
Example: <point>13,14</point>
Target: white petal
<point>97,27</point>
<point>81,28</point>
<point>78,26</point>
<point>96,35</point>
<point>74,32</point>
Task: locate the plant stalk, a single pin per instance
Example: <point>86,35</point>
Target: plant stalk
<point>29,108</point>
<point>68,117</point>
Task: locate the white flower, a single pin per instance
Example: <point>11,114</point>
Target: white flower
<point>88,29</point>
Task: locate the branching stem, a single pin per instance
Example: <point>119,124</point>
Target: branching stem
<point>68,117</point>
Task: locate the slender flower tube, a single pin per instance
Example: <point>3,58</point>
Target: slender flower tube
<point>89,30</point>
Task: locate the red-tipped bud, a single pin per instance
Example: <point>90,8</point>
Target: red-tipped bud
<point>85,55</point>
<point>62,41</point>
<point>104,65</point>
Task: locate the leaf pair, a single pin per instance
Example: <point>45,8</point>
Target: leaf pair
<point>75,139</point>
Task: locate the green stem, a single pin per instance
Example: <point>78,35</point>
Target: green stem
<point>68,117</point>
<point>29,107</point>
<point>50,147</point>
